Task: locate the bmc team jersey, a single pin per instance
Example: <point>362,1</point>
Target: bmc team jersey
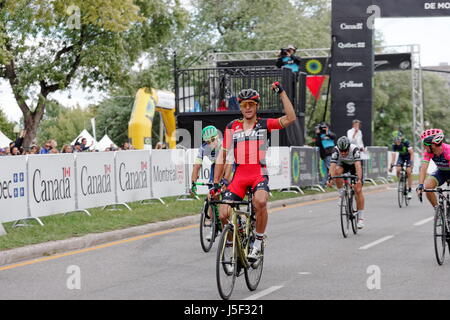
<point>249,152</point>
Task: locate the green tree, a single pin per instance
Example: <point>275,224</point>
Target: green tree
<point>46,45</point>
<point>64,125</point>
<point>6,126</point>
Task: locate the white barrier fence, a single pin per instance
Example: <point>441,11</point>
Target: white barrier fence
<point>40,185</point>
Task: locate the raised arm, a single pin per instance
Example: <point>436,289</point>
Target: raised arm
<point>289,111</point>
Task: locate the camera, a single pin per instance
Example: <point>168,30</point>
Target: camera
<point>283,52</point>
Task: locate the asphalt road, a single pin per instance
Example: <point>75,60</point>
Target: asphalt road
<point>306,258</point>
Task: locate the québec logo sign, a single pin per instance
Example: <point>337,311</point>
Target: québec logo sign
<point>349,45</point>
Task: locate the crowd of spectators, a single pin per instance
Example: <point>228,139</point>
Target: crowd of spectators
<point>51,147</point>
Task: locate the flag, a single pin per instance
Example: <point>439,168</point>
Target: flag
<point>314,84</point>
<point>93,128</point>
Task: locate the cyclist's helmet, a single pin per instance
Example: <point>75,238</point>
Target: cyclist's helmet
<point>248,94</point>
<point>432,136</point>
<point>209,132</point>
<point>343,143</point>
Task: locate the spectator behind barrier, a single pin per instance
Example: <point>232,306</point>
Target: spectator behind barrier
<point>325,140</point>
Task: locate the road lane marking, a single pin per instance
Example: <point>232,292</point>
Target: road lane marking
<point>106,245</point>
<point>264,293</point>
<point>304,273</point>
<point>372,244</point>
<point>421,222</point>
<point>110,244</point>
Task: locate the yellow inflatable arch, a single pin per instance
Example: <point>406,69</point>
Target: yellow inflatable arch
<point>148,101</point>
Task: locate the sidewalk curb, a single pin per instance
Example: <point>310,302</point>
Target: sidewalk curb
<point>55,247</point>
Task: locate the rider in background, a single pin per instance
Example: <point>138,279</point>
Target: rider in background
<point>439,152</point>
<point>346,158</point>
<point>210,148</point>
<point>405,153</point>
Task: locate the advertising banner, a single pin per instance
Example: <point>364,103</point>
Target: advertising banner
<point>95,178</point>
<point>377,164</point>
<point>51,182</point>
<point>416,8</point>
<point>132,175</point>
<point>278,166</point>
<point>168,169</point>
<point>303,167</point>
<point>13,189</point>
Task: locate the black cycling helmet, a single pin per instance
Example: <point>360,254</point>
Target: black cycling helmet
<point>248,94</point>
<point>343,143</point>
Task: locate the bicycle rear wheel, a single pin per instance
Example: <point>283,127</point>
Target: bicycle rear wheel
<point>439,235</point>
<point>405,193</point>
<point>207,226</point>
<point>226,264</point>
<point>345,219</point>
<point>254,272</point>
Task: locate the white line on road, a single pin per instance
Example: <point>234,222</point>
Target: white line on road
<point>264,293</point>
<point>421,222</point>
<point>370,245</point>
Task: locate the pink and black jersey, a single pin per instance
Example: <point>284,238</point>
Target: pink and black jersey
<point>442,161</point>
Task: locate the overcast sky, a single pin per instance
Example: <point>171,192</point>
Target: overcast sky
<point>432,34</point>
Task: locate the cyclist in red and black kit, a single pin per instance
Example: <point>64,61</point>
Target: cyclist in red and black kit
<point>246,141</point>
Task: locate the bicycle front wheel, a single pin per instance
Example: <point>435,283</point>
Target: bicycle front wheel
<point>400,192</point>
<point>345,218</point>
<point>351,212</point>
<point>207,227</point>
<point>439,235</point>
<point>254,272</point>
<point>226,263</point>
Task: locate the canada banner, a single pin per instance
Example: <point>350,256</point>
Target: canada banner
<point>95,179</point>
<point>51,181</point>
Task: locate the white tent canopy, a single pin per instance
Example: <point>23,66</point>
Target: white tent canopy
<point>4,140</point>
<point>89,139</point>
<point>104,143</point>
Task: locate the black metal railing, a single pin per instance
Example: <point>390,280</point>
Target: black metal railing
<point>216,89</point>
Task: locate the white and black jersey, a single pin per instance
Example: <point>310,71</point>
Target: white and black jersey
<point>349,160</point>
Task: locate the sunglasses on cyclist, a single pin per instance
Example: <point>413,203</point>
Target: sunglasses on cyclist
<point>248,103</point>
<point>211,140</point>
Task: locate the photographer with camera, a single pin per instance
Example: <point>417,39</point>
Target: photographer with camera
<point>288,59</point>
<point>325,140</point>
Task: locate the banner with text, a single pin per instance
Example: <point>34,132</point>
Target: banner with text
<point>133,175</point>
<point>13,188</point>
<point>278,165</point>
<point>51,181</point>
<point>168,173</point>
<point>96,181</point>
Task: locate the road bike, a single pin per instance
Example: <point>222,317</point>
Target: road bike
<point>402,189</point>
<point>441,225</point>
<point>234,246</point>
<point>348,204</point>
<point>209,220</point>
